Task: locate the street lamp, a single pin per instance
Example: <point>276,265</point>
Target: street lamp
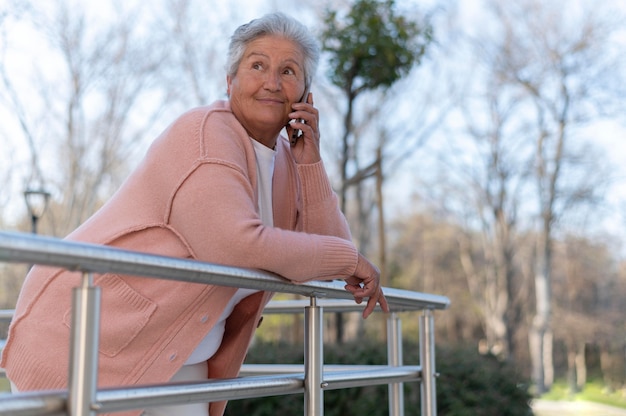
<point>36,202</point>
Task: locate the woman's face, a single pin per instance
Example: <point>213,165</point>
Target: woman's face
<point>270,78</point>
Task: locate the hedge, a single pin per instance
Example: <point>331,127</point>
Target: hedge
<point>469,383</point>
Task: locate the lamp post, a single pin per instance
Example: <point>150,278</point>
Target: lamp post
<point>36,202</point>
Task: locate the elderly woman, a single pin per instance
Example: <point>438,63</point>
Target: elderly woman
<point>219,185</point>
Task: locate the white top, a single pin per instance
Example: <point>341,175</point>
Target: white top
<point>265,158</point>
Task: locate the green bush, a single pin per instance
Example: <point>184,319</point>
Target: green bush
<point>469,384</point>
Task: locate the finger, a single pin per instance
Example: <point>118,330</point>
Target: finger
<point>353,290</point>
<point>289,129</point>
<point>353,285</point>
<point>355,281</point>
<point>306,112</point>
<point>369,288</point>
<point>296,131</point>
<point>371,304</point>
<point>358,299</point>
<point>307,126</point>
<point>382,300</point>
<point>369,308</point>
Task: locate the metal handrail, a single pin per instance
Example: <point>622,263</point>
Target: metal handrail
<point>84,399</point>
<point>91,258</point>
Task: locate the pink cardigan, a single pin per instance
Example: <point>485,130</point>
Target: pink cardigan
<point>193,196</point>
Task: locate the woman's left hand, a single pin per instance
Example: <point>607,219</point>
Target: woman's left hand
<point>305,117</point>
<point>365,283</point>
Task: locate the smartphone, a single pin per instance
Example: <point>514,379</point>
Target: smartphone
<point>297,132</point>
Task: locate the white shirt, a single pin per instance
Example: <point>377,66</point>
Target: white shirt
<point>265,158</point>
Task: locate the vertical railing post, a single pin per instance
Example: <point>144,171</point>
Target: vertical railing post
<point>313,360</point>
<point>427,361</point>
<point>394,359</point>
<point>83,375</point>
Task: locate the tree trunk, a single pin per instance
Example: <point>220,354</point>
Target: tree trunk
<point>343,191</point>
<point>607,364</point>
<point>540,336</point>
<point>581,367</point>
<point>535,344</point>
<point>572,373</point>
<point>548,363</point>
<point>382,244</point>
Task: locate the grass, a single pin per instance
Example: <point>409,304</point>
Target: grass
<point>4,385</point>
<point>594,392</point>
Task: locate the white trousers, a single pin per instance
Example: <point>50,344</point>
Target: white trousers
<point>194,372</point>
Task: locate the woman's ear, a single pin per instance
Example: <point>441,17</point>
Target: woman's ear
<point>228,80</point>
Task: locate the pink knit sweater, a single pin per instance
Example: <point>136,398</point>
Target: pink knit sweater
<point>193,196</point>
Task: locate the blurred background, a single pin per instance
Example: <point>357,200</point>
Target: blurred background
<point>476,146</point>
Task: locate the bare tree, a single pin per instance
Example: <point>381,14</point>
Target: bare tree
<point>531,83</point>
<point>556,59</point>
<point>86,119</point>
<point>15,115</point>
<point>482,183</point>
<point>424,256</point>
<point>371,46</point>
<point>197,48</point>
<point>493,180</point>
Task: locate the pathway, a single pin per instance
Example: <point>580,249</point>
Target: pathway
<point>565,408</point>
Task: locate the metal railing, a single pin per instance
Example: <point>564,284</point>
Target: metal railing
<point>312,378</point>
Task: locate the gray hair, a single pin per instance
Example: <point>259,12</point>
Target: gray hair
<point>277,24</point>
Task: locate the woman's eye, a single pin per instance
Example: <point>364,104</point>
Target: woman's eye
<point>288,71</point>
<point>257,65</point>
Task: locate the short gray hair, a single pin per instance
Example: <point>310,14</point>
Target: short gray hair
<point>277,24</point>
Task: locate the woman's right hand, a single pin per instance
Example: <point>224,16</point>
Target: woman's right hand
<point>365,283</point>
<point>305,116</point>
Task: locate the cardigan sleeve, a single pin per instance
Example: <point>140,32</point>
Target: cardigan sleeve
<point>320,213</point>
<point>214,211</point>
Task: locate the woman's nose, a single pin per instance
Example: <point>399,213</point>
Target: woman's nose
<point>272,82</point>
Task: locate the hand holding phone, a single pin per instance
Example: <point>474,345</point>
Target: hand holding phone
<point>297,132</point>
